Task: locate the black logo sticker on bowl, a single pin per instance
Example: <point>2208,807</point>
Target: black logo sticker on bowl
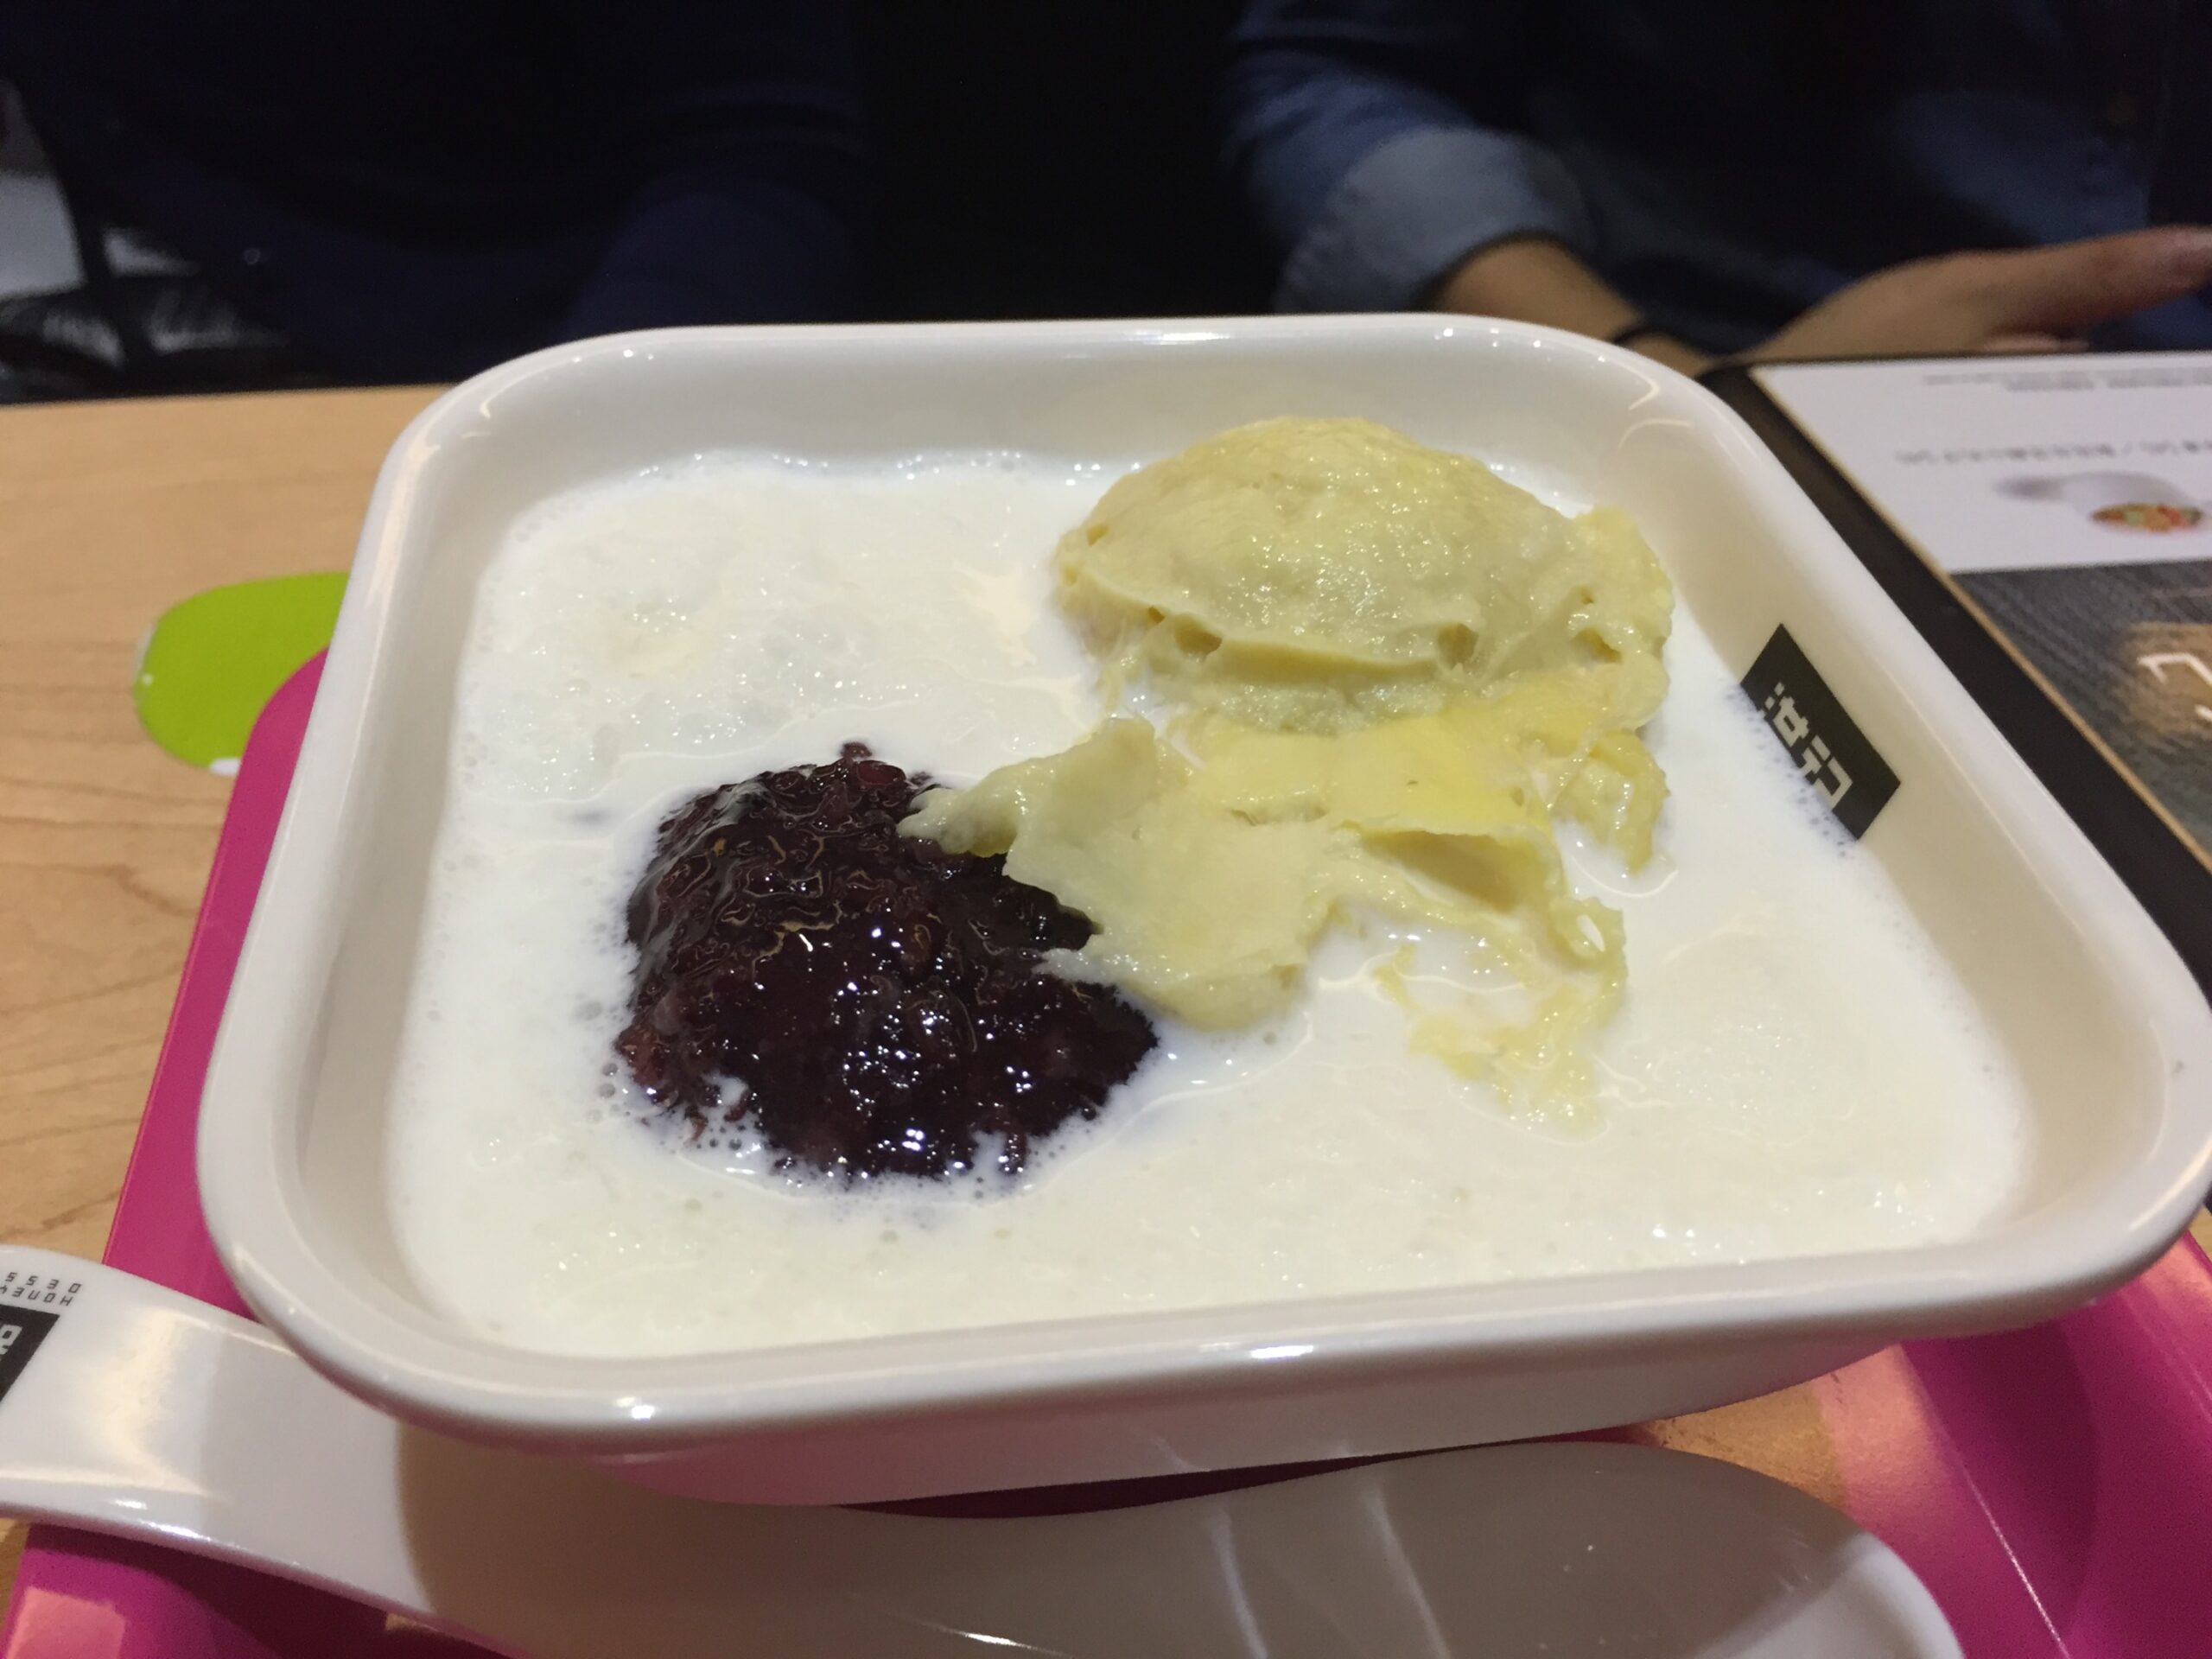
<point>1833,755</point>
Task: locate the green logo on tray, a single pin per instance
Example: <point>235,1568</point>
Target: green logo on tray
<point>212,662</point>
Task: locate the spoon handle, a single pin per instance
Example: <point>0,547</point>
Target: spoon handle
<point>130,1409</point>
<point>137,1411</point>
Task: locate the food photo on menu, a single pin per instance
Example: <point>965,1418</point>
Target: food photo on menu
<point>1243,829</point>
<point>2065,501</point>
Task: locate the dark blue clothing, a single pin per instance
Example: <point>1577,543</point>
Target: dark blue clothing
<point>1726,164</point>
<point>416,189</point>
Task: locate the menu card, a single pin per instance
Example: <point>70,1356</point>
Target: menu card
<point>2069,500</point>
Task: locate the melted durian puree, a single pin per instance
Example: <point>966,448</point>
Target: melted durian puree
<point>1383,671</point>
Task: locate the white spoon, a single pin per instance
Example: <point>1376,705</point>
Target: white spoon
<point>128,1409</point>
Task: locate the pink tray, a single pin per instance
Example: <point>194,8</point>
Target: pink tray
<point>2052,1485</point>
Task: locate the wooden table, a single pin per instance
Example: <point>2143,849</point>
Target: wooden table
<point>109,513</point>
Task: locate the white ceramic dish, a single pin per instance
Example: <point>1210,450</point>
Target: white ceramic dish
<point>1562,1548</point>
<point>2099,1013</point>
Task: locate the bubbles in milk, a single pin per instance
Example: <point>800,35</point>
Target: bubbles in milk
<point>1794,1071</point>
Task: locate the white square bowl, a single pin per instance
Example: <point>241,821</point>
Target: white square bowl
<point>2101,1017</point>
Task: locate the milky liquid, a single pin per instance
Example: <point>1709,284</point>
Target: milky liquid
<point>1795,1069</point>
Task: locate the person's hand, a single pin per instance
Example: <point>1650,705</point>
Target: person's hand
<point>2035,300</point>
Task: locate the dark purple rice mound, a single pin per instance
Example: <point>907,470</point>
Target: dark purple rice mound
<point>882,1002</point>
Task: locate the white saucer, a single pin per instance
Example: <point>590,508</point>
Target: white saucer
<point>138,1411</point>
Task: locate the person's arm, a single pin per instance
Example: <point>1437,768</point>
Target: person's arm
<point>1537,280</point>
<point>2018,300</point>
<point>1353,128</point>
<point>739,139</point>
